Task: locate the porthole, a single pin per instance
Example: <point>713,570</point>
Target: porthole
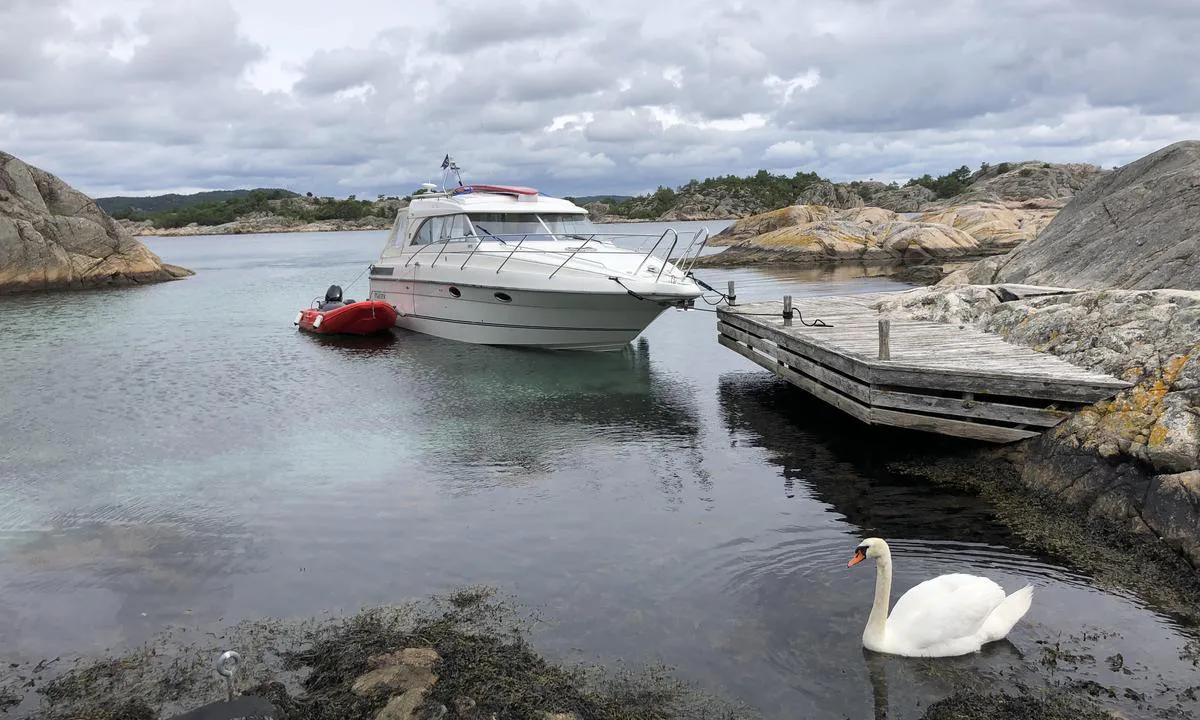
<point>455,291</point>
<point>503,297</point>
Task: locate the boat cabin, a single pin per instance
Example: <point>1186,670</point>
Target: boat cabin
<point>480,213</point>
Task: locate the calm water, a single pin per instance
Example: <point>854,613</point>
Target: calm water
<point>180,455</point>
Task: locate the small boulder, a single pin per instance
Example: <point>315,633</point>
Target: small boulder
<point>414,657</point>
<point>399,672</point>
<point>402,707</point>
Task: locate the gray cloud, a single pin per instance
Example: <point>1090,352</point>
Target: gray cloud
<point>484,25</point>
<point>329,71</point>
<point>119,96</point>
<point>191,40</point>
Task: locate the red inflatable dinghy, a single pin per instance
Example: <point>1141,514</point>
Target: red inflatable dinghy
<point>334,316</point>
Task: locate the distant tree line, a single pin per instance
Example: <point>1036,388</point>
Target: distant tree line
<point>770,190</point>
<point>282,203</point>
<point>766,188</point>
<point>173,201</point>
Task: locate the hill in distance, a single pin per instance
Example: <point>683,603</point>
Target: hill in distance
<point>152,204</point>
<point>585,199</point>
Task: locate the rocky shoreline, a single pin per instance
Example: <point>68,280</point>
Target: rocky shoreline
<point>818,234</point>
<point>1132,461</point>
<point>1122,251</point>
<point>53,237</point>
<point>464,656</point>
<point>257,225</point>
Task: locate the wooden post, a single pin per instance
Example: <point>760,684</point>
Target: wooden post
<point>787,307</point>
<point>731,295</point>
<point>885,339</point>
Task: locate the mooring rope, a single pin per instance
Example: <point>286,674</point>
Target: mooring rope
<point>357,278</point>
<point>815,323</point>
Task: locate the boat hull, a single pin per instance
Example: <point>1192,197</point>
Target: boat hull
<point>556,320</point>
<point>365,317</point>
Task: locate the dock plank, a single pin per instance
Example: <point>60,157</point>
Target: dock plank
<point>838,361</point>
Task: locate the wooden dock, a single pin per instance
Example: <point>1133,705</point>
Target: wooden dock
<point>937,377</point>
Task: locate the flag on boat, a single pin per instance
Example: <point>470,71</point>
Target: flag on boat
<point>446,162</point>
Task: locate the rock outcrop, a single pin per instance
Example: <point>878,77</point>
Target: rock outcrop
<point>993,225</point>
<point>1138,227</point>
<point>749,227</point>
<point>816,234</point>
<point>830,195</point>
<point>54,237</point>
<point>1032,185</point>
<point>912,198</point>
<point>1134,459</point>
<point>1015,184</point>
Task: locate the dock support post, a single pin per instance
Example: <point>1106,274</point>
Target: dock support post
<point>787,307</point>
<point>885,339</point>
<point>731,295</point>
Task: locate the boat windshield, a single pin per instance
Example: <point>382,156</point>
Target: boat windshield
<point>514,226</point>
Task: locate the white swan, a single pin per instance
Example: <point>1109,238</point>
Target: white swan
<point>953,614</point>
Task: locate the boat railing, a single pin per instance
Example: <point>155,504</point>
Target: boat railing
<point>589,243</point>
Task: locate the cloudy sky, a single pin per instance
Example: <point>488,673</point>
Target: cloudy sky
<point>365,97</point>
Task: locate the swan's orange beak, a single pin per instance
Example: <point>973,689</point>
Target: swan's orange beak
<point>859,556</point>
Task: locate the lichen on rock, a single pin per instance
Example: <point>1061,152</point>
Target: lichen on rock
<point>1148,337</point>
<point>817,234</point>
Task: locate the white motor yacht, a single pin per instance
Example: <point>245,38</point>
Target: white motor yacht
<point>506,265</point>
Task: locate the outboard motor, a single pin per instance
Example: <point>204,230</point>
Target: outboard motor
<point>333,298</point>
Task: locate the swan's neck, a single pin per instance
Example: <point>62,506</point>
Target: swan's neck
<point>877,622</point>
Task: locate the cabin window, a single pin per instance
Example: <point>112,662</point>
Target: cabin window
<point>456,229</point>
<point>515,226</point>
<point>444,228</point>
<point>430,229</point>
<point>397,234</point>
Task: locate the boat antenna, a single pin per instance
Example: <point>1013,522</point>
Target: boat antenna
<point>449,166</point>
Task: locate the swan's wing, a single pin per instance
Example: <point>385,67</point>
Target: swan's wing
<point>944,608</point>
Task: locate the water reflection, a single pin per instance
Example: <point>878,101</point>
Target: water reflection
<point>166,460</point>
<point>494,407</point>
<point>352,346</point>
<point>838,461</point>
<point>834,462</point>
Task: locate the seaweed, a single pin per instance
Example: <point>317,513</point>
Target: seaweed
<point>1001,706</point>
<point>307,669</point>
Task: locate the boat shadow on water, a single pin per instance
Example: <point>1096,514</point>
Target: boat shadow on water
<point>355,344</point>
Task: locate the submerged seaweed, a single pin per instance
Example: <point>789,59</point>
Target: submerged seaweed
<point>1000,706</point>
<point>307,669</point>
<point>1114,556</point>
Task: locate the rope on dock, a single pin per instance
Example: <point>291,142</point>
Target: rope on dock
<point>725,298</point>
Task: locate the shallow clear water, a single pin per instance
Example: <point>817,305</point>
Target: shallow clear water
<point>180,455</point>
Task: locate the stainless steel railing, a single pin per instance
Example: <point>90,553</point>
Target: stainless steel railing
<point>684,262</point>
